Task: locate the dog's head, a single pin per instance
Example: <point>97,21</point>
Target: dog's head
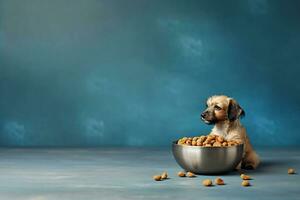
<point>221,108</point>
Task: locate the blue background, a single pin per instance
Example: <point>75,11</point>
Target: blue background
<point>137,72</point>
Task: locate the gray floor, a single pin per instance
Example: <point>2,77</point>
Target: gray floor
<point>115,173</point>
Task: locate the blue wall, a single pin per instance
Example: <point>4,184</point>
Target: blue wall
<point>86,73</point>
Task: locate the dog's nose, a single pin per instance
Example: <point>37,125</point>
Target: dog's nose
<point>203,114</point>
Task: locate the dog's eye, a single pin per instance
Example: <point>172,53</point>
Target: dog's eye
<point>218,107</point>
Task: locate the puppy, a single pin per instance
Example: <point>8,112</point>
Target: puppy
<point>225,113</point>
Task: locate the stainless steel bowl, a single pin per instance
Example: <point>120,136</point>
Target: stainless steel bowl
<point>207,160</point>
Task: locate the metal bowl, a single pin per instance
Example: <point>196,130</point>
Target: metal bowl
<point>207,160</point>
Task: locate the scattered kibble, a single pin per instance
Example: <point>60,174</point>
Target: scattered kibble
<point>291,171</point>
<point>219,181</point>
<point>207,141</point>
<point>157,177</point>
<point>245,183</point>
<point>190,175</point>
<point>207,182</point>
<point>164,175</point>
<point>181,174</point>
<point>245,177</point>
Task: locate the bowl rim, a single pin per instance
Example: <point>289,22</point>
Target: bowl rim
<point>174,143</point>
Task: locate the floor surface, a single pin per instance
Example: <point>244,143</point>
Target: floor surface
<point>126,173</point>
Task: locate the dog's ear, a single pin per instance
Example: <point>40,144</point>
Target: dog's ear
<point>234,110</point>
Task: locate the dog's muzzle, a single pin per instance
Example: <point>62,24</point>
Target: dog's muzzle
<point>204,116</point>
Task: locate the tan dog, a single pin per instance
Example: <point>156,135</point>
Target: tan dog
<point>224,112</point>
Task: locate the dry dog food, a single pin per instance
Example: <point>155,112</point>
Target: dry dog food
<point>219,181</point>
<point>161,177</point>
<point>181,174</point>
<point>245,177</point>
<point>190,175</point>
<point>245,183</point>
<point>157,177</point>
<point>207,141</point>
<point>291,171</point>
<point>164,175</point>
<point>207,182</point>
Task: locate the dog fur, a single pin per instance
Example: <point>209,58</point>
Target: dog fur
<point>225,113</point>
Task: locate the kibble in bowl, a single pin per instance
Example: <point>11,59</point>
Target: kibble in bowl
<point>207,155</point>
<point>207,141</point>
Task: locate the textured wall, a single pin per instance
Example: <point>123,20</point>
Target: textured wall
<point>138,72</point>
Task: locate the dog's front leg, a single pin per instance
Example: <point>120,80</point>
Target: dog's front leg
<point>251,160</point>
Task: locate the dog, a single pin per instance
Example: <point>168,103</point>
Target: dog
<point>225,113</point>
